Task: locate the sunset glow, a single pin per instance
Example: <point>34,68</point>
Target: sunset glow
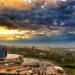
<point>20,4</point>
<point>12,34</point>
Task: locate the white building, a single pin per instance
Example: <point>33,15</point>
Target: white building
<point>14,58</point>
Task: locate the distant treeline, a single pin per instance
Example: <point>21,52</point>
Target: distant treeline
<point>57,54</point>
<point>64,56</point>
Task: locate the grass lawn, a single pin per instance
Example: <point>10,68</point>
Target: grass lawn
<point>69,70</point>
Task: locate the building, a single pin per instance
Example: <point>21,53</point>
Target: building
<point>14,58</point>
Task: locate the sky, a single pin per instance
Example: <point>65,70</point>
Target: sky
<point>33,22</point>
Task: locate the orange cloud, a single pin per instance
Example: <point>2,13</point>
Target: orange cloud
<point>25,4</point>
<point>20,4</point>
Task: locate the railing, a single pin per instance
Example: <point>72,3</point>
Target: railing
<point>30,74</point>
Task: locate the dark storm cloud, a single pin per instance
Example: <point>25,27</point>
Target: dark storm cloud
<point>63,15</point>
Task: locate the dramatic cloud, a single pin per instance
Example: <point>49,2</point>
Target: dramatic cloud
<point>63,15</point>
<point>52,19</point>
